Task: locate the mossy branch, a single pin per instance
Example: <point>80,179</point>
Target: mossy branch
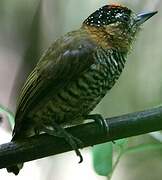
<point>44,145</point>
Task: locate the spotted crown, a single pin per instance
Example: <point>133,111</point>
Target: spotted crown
<point>108,14</point>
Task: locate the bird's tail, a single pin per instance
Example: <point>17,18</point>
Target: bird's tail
<point>16,167</point>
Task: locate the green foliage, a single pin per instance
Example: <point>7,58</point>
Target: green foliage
<point>102,158</point>
<point>107,156</point>
<point>9,115</point>
<point>144,147</point>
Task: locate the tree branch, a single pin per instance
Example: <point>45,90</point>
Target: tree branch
<point>44,145</point>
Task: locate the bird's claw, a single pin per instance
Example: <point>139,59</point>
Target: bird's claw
<point>100,121</point>
<point>74,142</point>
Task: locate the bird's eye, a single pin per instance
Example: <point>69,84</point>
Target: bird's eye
<point>118,15</point>
<point>122,17</point>
<point>125,18</point>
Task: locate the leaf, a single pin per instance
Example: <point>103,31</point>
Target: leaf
<point>102,158</point>
<point>9,115</point>
<point>120,145</point>
<point>144,147</point>
<point>121,142</point>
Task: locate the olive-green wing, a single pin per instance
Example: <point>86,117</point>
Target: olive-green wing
<point>62,63</point>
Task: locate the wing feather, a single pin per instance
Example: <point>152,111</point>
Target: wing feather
<point>62,63</point>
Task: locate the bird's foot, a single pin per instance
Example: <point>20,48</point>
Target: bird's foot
<point>59,131</point>
<point>100,121</point>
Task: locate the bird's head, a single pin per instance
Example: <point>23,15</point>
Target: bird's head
<point>115,26</point>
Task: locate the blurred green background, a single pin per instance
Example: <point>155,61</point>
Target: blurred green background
<point>29,27</point>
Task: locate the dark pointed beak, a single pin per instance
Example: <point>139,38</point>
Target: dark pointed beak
<point>142,17</point>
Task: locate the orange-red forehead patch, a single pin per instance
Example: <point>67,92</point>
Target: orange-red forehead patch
<point>116,5</point>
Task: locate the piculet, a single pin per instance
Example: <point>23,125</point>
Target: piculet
<point>75,73</point>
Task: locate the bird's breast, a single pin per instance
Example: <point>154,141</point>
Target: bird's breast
<point>81,96</point>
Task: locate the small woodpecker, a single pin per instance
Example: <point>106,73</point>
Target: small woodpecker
<point>74,74</point>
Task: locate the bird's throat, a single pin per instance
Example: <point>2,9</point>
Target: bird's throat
<point>109,38</point>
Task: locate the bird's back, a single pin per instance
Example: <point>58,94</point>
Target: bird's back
<point>63,63</point>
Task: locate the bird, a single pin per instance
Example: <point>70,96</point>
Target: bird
<point>75,73</point>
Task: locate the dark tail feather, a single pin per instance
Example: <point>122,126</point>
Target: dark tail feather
<point>15,168</point>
